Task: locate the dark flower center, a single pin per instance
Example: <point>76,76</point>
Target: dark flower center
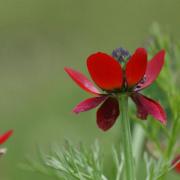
<point>121,55</point>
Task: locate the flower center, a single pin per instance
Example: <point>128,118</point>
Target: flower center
<point>121,55</point>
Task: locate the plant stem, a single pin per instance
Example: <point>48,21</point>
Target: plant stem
<point>171,145</point>
<point>127,142</point>
<point>138,143</point>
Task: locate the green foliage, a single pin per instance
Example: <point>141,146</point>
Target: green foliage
<point>71,163</point>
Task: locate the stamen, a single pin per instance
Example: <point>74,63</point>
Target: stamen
<point>138,86</point>
<point>143,80</point>
<point>121,55</point>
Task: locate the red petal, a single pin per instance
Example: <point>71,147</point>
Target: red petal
<point>5,136</point>
<point>136,67</point>
<point>153,68</point>
<point>147,106</point>
<point>177,167</point>
<point>105,71</point>
<point>82,81</point>
<point>107,114</point>
<point>89,104</point>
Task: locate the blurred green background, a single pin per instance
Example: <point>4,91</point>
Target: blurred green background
<point>37,39</point>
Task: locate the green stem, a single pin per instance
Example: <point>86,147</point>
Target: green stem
<point>138,143</point>
<point>126,136</point>
<point>170,148</point>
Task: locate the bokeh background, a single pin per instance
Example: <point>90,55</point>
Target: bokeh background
<point>37,39</point>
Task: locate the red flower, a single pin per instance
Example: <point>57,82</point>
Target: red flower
<point>4,137</point>
<point>177,167</point>
<point>116,74</point>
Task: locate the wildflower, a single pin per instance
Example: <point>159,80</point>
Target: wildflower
<point>4,137</point>
<point>119,74</point>
<point>177,166</point>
